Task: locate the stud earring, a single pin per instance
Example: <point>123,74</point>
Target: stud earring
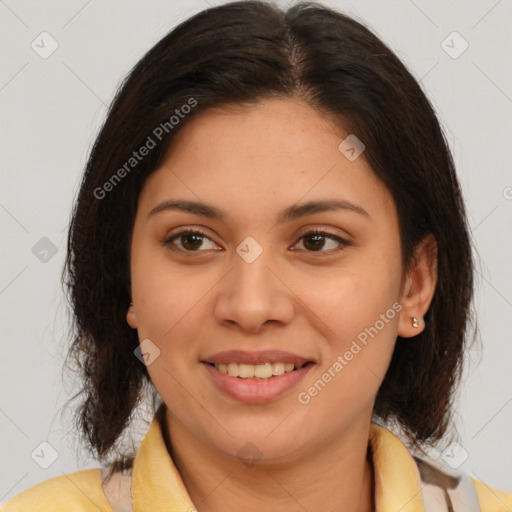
<point>414,321</point>
<point>131,303</point>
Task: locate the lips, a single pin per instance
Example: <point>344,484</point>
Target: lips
<point>254,390</point>
<point>259,357</point>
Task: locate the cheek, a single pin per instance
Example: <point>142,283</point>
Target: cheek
<point>346,301</point>
<point>362,329</point>
<point>359,312</point>
<point>171,312</point>
<point>167,294</point>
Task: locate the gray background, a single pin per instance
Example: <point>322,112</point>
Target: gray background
<point>51,109</point>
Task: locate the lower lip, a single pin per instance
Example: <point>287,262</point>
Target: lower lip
<point>257,391</point>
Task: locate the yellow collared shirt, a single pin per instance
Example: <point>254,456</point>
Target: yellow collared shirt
<point>156,485</point>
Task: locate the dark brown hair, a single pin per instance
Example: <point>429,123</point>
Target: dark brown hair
<point>240,54</point>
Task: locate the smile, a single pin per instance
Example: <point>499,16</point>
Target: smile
<point>257,371</point>
<point>246,386</point>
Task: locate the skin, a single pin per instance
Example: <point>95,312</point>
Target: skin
<point>312,300</point>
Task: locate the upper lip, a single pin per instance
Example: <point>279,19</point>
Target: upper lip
<point>259,357</point>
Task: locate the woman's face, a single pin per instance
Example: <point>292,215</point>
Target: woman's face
<point>255,281</point>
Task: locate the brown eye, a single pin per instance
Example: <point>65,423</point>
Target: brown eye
<point>189,240</point>
<point>315,241</point>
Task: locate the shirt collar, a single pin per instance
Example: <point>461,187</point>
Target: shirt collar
<point>157,484</point>
<point>397,479</point>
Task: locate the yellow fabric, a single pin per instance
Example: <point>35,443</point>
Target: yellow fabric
<point>492,499</point>
<point>75,492</point>
<point>158,487</point>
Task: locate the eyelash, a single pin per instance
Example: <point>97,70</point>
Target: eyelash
<point>168,241</point>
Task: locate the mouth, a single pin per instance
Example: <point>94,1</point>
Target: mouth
<point>266,370</point>
<point>257,383</point>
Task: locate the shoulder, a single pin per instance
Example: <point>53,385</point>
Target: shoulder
<point>80,491</point>
<point>492,499</point>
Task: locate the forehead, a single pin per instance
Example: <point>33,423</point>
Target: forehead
<point>279,152</point>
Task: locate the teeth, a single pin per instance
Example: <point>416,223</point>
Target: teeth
<point>258,371</point>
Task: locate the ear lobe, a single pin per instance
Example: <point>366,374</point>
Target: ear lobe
<point>419,288</point>
<point>131,316</point>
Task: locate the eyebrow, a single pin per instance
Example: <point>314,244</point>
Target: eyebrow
<point>287,215</point>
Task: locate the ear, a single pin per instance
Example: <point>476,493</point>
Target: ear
<point>131,316</point>
<point>419,288</point>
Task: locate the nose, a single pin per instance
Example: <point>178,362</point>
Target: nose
<point>254,294</point>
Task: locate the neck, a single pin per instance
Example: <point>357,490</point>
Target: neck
<point>335,476</point>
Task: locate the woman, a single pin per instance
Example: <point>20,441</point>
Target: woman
<point>271,234</point>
